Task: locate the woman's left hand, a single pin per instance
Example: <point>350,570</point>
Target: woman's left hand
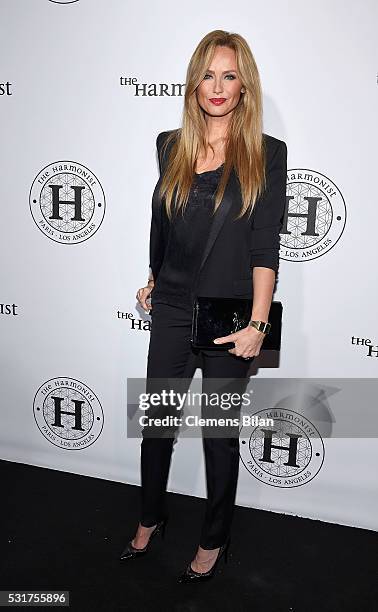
<point>247,341</point>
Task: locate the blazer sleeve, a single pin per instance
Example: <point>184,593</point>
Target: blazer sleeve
<point>159,142</point>
<point>157,239</point>
<point>269,212</point>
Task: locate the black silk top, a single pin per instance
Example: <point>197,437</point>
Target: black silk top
<point>188,233</point>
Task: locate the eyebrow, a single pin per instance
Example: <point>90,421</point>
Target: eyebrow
<point>224,71</point>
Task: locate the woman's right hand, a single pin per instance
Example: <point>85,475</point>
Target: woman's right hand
<point>142,296</point>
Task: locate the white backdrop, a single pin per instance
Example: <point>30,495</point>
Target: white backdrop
<point>76,121</point>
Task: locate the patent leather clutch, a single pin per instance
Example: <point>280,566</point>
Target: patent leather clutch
<point>215,317</point>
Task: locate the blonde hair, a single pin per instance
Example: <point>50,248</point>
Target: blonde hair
<point>244,150</point>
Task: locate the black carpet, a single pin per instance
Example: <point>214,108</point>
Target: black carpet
<point>65,532</point>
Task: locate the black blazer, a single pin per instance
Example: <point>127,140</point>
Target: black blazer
<point>233,247</point>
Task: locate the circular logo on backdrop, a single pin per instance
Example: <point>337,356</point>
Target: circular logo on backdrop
<point>67,202</point>
<point>314,218</point>
<point>288,454</point>
<point>68,413</point>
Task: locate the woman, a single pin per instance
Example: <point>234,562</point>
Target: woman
<point>217,211</point>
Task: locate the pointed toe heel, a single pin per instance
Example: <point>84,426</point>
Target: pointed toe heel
<point>189,575</point>
<point>130,552</point>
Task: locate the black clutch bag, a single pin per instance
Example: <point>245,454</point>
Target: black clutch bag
<point>215,317</point>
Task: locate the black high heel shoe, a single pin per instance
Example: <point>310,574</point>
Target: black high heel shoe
<point>191,576</point>
<point>131,552</point>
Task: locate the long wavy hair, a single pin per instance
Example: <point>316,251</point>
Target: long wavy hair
<point>244,147</point>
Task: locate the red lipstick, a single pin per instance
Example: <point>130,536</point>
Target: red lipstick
<point>217,101</point>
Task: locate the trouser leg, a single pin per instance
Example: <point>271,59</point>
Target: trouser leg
<point>221,453</point>
<point>169,356</point>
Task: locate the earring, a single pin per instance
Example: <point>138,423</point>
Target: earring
<point>242,90</point>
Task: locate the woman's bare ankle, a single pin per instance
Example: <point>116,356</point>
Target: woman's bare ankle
<point>204,559</point>
<point>142,536</point>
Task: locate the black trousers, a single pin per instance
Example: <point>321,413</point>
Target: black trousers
<point>170,355</point>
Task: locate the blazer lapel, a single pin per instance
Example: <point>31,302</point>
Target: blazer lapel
<point>220,216</point>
